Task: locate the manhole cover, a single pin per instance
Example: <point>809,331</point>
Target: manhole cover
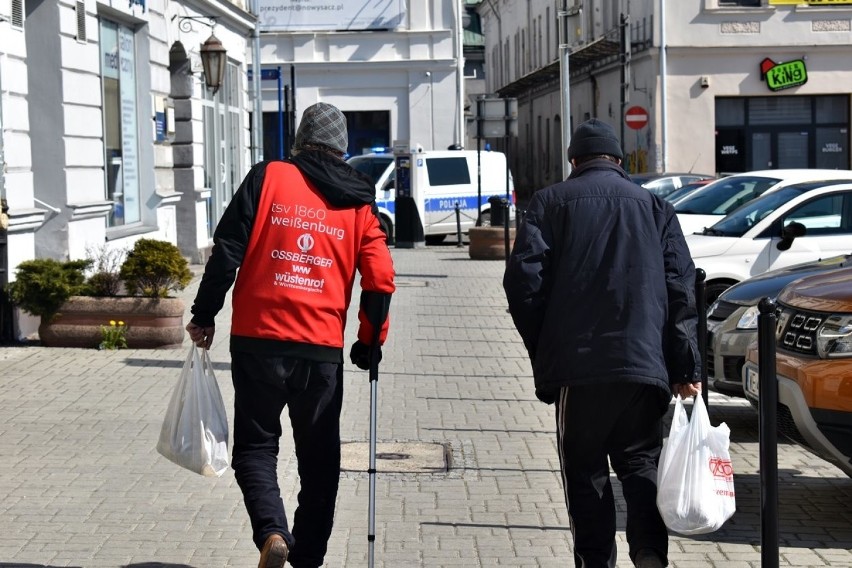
<point>395,457</point>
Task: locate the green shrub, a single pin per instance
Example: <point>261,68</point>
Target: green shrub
<point>153,268</point>
<point>105,266</point>
<point>42,285</point>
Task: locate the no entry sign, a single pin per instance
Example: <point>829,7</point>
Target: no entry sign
<point>636,117</point>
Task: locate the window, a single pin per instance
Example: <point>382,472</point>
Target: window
<point>740,3</point>
<point>223,144</point>
<point>822,216</point>
<point>447,171</point>
<point>121,137</point>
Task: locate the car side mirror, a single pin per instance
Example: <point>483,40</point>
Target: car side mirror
<point>789,234</point>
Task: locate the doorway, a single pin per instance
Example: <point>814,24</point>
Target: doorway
<point>763,133</point>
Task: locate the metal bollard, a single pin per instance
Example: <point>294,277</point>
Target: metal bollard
<point>458,225</point>
<point>768,409</point>
<point>700,301</point>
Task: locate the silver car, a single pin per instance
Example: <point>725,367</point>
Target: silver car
<point>732,320</point>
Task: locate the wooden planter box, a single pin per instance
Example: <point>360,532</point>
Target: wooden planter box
<point>489,243</point>
<point>151,322</point>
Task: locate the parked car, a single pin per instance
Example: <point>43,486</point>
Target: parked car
<point>688,189</point>
<point>732,319</point>
<point>792,225</point>
<point>813,366</point>
<point>710,204</point>
<point>665,183</point>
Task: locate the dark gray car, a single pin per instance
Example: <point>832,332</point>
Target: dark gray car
<point>732,319</point>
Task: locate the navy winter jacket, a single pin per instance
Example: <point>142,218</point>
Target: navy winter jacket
<point>601,285</point>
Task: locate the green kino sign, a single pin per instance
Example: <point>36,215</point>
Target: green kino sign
<point>779,76</point>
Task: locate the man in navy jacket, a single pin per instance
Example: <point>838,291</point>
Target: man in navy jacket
<point>600,285</point>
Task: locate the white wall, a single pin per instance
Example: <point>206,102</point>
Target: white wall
<point>410,72</point>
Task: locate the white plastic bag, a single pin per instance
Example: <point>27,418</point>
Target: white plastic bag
<point>195,431</point>
<point>695,480</point>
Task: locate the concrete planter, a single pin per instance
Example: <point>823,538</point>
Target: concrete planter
<point>151,322</point>
<point>489,243</point>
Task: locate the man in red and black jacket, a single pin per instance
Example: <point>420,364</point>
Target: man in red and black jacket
<point>297,230</point>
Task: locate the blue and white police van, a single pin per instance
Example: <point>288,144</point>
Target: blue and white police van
<point>441,179</point>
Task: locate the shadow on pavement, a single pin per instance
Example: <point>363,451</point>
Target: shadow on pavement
<point>799,511</point>
<point>156,565</point>
<point>17,565</point>
<point>168,364</point>
<point>495,526</point>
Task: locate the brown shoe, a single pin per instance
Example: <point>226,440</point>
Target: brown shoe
<point>274,553</point>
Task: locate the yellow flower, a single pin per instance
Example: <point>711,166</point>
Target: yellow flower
<point>112,322</point>
<point>120,322</point>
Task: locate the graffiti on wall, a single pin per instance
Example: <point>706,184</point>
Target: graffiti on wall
<point>637,161</point>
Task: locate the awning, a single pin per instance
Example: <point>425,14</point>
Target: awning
<point>579,59</point>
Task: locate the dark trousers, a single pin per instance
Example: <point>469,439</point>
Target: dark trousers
<point>622,422</point>
<point>313,393</point>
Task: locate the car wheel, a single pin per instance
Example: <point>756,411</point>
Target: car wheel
<point>714,290</point>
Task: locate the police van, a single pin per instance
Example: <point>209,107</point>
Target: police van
<point>443,178</point>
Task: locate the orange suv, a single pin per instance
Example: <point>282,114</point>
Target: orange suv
<point>813,365</point>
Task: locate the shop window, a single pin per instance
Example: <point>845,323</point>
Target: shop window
<point>832,149</point>
<point>368,129</point>
<point>121,135</point>
<point>223,144</point>
<point>740,3</point>
<point>832,109</point>
<point>779,110</point>
<point>730,112</point>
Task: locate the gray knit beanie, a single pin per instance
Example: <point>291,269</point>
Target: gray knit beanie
<point>324,124</point>
<point>594,137</point>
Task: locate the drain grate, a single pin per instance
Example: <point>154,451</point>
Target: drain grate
<point>396,457</point>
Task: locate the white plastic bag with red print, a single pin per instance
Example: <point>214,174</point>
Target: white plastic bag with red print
<point>695,480</point>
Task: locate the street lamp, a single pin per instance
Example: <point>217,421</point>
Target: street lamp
<point>213,60</point>
<point>212,51</point>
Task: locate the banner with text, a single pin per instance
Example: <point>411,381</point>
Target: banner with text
<point>330,15</point>
<point>809,2</point>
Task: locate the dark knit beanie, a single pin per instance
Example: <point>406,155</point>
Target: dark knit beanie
<point>324,124</point>
<point>594,137</point>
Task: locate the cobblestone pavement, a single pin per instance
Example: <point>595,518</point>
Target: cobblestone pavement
<point>82,484</point>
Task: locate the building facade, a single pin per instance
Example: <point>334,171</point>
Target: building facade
<point>394,68</point>
<point>711,86</point>
<point>108,132</point>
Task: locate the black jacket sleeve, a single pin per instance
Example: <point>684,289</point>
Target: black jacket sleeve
<point>229,246</point>
<point>527,277</point>
<point>683,360</point>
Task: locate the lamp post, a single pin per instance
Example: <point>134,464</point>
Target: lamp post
<point>213,57</point>
<point>213,60</point>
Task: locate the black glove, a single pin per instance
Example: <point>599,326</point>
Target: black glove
<point>360,355</point>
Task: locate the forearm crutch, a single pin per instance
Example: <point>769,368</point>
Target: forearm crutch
<point>375,306</point>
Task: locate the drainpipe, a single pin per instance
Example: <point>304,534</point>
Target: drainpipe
<point>2,153</point>
<point>663,90</point>
<point>565,87</point>
<point>257,113</point>
<point>459,6</point>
